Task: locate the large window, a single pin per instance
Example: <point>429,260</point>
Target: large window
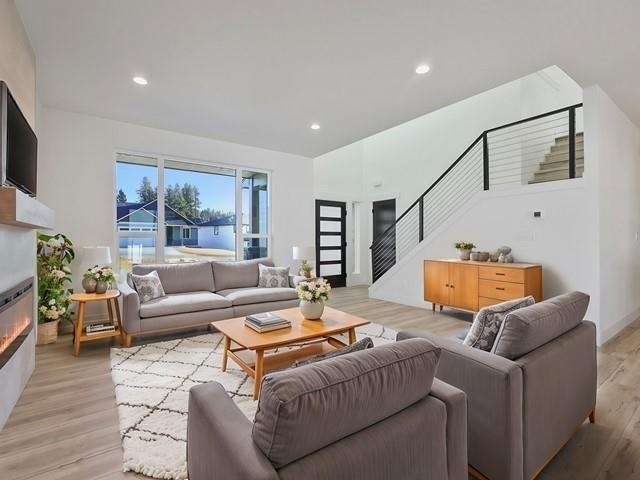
<point>183,211</point>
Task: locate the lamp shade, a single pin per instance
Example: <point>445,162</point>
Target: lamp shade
<point>96,256</point>
<point>304,253</point>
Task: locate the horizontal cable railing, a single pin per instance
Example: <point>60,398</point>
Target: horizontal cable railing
<point>542,148</point>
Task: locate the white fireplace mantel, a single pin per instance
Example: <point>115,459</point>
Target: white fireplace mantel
<point>21,210</point>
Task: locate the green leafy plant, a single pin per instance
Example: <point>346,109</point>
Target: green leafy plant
<point>465,246</point>
<point>54,255</point>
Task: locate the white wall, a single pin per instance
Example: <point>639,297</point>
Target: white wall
<point>615,142</point>
<point>17,262</point>
<point>560,240</point>
<point>403,161</point>
<point>77,179</point>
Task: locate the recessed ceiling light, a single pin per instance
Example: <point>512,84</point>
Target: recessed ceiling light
<point>140,80</point>
<point>422,69</point>
<point>315,126</point>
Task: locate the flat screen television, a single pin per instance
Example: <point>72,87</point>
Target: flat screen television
<point>18,146</point>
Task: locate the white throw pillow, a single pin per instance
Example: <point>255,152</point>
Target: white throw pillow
<point>486,325</point>
<point>148,286</point>
<point>273,277</point>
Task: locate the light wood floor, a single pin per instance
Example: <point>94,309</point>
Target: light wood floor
<point>65,425</point>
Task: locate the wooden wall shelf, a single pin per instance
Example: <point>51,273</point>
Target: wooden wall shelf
<point>21,210</point>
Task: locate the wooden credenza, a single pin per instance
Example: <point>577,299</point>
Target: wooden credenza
<point>472,285</point>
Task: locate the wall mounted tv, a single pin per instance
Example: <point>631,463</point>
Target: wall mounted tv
<point>18,146</point>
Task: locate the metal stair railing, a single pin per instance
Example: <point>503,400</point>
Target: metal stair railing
<point>498,157</point>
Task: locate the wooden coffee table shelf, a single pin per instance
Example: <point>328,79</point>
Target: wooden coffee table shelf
<point>248,348</point>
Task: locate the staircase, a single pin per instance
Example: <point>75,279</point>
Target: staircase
<point>508,155</point>
<point>556,163</point>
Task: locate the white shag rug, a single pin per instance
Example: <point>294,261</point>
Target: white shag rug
<point>152,385</point>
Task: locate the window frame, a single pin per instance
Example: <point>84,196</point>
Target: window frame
<point>160,232</point>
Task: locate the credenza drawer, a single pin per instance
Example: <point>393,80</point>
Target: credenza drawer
<point>500,290</point>
<point>486,302</point>
<point>503,274</point>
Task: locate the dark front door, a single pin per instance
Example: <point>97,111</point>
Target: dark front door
<point>331,242</point>
<point>383,250</point>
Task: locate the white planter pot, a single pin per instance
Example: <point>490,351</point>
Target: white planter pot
<point>311,310</point>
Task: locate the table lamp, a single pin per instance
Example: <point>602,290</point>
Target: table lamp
<point>92,256</point>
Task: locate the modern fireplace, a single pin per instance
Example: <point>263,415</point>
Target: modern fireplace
<point>16,318</point>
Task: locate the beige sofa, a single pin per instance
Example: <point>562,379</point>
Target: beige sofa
<point>530,394</point>
<point>200,293</point>
<point>376,414</point>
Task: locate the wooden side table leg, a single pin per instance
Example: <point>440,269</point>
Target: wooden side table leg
<point>225,352</point>
<point>352,335</point>
<point>258,377</point>
<point>78,329</point>
<point>116,307</point>
<point>110,310</point>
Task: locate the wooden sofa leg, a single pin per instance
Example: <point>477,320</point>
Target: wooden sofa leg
<point>127,340</point>
<point>592,416</point>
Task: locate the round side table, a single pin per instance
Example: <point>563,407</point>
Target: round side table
<point>111,297</point>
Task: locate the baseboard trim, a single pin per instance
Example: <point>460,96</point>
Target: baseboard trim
<point>379,295</point>
<point>609,333</point>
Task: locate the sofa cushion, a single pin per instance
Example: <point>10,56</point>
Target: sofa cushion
<point>181,277</point>
<point>486,325</point>
<point>238,274</point>
<point>246,296</point>
<point>272,277</point>
<point>304,409</point>
<point>183,303</point>
<point>148,286</point>
<point>528,328</point>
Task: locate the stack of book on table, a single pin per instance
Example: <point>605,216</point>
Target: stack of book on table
<point>265,322</point>
<point>95,329</point>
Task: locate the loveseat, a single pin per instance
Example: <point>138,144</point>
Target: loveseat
<point>531,392</point>
<point>373,414</point>
<point>200,293</point>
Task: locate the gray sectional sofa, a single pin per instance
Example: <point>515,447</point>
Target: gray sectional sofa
<point>376,414</point>
<point>531,393</point>
<point>200,293</point>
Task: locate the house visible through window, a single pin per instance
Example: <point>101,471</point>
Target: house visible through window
<point>194,216</point>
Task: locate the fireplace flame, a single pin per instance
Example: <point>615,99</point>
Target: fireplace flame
<point>13,331</point>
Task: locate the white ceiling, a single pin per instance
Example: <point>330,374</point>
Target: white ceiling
<point>260,72</point>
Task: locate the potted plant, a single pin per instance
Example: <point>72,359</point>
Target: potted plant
<point>306,268</point>
<point>98,279</point>
<point>464,249</point>
<point>312,296</point>
<point>54,255</point>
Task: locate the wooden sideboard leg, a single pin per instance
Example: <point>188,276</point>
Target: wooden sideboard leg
<point>441,307</point>
<point>592,416</point>
<point>433,306</point>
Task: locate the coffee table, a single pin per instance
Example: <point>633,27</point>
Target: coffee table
<point>315,337</point>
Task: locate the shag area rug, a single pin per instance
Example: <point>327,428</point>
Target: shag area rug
<point>152,385</point>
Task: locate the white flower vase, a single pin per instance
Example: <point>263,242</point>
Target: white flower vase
<point>311,310</point>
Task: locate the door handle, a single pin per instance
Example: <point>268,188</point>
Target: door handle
<point>501,274</point>
<point>499,288</point>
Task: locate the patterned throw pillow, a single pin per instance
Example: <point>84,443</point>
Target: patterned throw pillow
<point>273,277</point>
<point>486,325</point>
<point>148,286</point>
<point>354,347</point>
